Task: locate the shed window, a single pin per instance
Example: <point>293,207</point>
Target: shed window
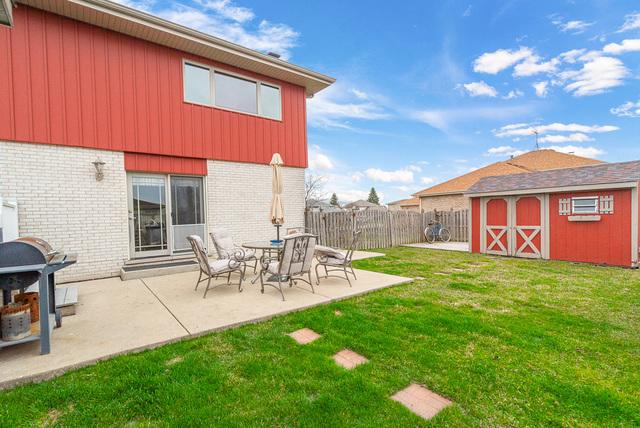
<point>586,205</point>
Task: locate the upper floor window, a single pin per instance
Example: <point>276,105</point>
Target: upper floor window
<point>586,205</point>
<point>203,85</point>
<point>197,84</point>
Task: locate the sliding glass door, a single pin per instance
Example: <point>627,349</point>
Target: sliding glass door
<point>148,215</point>
<point>163,211</point>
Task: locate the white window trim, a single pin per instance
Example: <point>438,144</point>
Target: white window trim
<point>212,87</point>
<point>596,206</point>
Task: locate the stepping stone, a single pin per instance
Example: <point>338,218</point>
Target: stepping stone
<point>421,401</point>
<point>441,273</point>
<point>349,359</point>
<point>304,336</point>
<point>337,313</point>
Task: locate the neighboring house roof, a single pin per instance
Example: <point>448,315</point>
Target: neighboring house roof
<point>604,174</point>
<point>361,204</point>
<point>135,23</point>
<point>538,160</point>
<point>406,202</point>
<point>314,203</point>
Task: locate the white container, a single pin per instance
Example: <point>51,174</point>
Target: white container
<point>8,219</point>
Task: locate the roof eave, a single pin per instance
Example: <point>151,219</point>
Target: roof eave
<point>123,19</point>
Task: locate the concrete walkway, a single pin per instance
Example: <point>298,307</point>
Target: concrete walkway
<point>447,246</point>
<point>115,317</point>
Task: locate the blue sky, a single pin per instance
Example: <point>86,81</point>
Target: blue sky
<point>428,90</point>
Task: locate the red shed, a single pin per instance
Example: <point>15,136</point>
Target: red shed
<point>585,214</point>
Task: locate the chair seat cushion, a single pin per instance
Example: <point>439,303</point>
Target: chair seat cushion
<point>249,253</point>
<point>219,265</point>
<point>322,250</point>
<point>333,261</point>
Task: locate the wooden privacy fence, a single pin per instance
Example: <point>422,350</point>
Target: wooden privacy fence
<point>380,228</point>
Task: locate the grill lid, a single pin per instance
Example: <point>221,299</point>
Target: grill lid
<point>25,251</point>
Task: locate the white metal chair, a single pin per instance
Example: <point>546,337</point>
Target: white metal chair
<point>294,263</point>
<point>336,261</point>
<point>212,269</point>
<point>225,248</point>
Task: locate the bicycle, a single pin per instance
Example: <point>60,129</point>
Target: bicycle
<point>435,231</point>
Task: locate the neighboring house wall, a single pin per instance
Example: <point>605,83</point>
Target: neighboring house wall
<point>60,201</point>
<point>239,199</point>
<point>69,83</point>
<point>607,241</point>
<point>444,203</point>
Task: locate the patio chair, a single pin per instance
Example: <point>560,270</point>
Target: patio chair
<point>212,269</point>
<point>336,261</point>
<point>293,264</point>
<point>225,248</point>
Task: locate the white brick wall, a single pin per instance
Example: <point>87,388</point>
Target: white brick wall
<point>61,201</point>
<point>239,199</point>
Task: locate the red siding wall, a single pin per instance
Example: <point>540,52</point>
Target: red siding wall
<point>607,241</point>
<point>69,83</point>
<point>164,164</point>
<point>475,225</point>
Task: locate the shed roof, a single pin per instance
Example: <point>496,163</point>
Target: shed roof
<point>122,19</point>
<point>537,160</point>
<point>607,173</point>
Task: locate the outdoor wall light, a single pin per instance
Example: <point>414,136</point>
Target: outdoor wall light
<point>99,165</point>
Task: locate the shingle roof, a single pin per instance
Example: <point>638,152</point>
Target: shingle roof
<point>406,202</point>
<point>607,173</point>
<point>538,160</point>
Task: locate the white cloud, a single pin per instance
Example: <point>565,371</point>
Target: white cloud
<point>631,22</point>
<point>467,11</point>
<point>513,94</point>
<point>404,175</point>
<point>574,27</point>
<point>427,180</point>
<point>541,88</point>
<point>576,137</point>
<point>336,106</point>
<point>443,119</point>
<point>228,10</point>
<point>597,75</point>
<point>221,18</point>
<point>587,152</point>
<point>525,129</point>
<point>318,160</point>
<point>628,109</point>
<point>533,65</point>
<point>627,45</point>
<point>504,151</point>
<point>495,62</point>
<point>572,55</point>
<point>480,89</point>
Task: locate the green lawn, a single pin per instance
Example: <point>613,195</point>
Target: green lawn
<point>510,342</point>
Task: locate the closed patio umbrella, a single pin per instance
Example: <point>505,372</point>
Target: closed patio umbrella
<point>277,209</point>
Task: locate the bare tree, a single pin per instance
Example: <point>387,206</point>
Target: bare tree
<point>313,187</point>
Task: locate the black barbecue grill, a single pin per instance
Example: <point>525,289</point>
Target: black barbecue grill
<point>23,262</point>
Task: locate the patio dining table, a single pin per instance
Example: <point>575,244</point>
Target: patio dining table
<point>270,251</point>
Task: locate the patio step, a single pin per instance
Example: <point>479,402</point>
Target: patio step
<point>157,268</point>
<point>160,259</point>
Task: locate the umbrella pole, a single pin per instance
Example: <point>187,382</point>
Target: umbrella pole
<point>278,232</point>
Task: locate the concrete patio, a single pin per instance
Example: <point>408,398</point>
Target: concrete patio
<point>116,317</point>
